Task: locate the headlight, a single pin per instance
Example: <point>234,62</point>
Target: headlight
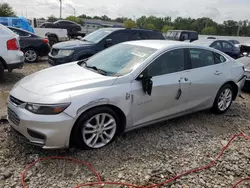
<point>46,109</point>
<point>65,52</point>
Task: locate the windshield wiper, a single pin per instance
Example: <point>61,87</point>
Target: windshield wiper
<point>84,62</point>
<point>103,72</point>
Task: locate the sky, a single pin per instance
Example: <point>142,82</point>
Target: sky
<point>218,10</point>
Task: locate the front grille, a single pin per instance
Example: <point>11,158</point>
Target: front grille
<point>16,101</point>
<point>13,117</point>
<point>54,51</point>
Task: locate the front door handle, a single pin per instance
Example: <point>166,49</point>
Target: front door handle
<point>217,73</point>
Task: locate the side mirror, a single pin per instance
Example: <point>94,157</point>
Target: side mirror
<point>108,42</point>
<point>147,83</point>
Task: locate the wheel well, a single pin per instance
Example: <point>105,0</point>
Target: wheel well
<point>53,36</point>
<point>3,62</point>
<point>235,88</point>
<point>119,112</point>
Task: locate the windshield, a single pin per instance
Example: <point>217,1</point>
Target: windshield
<point>120,59</point>
<point>97,36</point>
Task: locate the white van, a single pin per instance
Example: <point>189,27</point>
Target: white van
<point>10,55</point>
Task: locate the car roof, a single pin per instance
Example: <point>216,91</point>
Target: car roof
<point>162,44</point>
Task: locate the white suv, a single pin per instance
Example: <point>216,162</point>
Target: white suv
<point>10,55</point>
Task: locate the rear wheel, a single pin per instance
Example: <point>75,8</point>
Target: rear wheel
<point>52,41</point>
<point>30,55</point>
<point>1,71</point>
<point>96,128</point>
<point>223,99</point>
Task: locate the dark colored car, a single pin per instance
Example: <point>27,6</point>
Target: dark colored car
<point>71,27</point>
<point>32,45</point>
<point>222,45</point>
<point>97,41</point>
<point>182,35</point>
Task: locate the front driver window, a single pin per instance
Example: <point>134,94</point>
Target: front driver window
<point>167,63</point>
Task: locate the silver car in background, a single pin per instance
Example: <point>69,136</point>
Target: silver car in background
<point>127,86</point>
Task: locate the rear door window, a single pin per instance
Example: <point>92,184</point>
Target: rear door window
<point>119,37</point>
<point>137,36</point>
<point>201,58</point>
<point>219,58</point>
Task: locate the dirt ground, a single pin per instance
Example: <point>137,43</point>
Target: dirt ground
<point>142,157</point>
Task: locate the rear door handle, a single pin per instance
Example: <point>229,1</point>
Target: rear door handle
<point>217,73</point>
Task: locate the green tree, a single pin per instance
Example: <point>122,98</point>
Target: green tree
<point>75,19</point>
<point>166,28</point>
<point>129,24</point>
<point>209,31</point>
<point>52,18</point>
<point>6,10</point>
<point>150,26</point>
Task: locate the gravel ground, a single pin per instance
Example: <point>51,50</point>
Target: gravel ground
<point>143,157</point>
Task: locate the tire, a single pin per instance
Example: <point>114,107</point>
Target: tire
<point>102,138</point>
<point>30,55</point>
<point>1,71</point>
<point>74,30</point>
<point>52,41</point>
<point>220,107</point>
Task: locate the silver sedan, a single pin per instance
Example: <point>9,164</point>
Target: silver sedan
<point>130,85</point>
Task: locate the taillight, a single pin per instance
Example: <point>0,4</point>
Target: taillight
<point>12,44</point>
<point>46,41</point>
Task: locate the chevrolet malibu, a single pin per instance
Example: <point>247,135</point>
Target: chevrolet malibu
<point>127,86</point>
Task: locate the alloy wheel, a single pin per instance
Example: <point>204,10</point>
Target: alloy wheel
<point>225,99</point>
<point>30,55</point>
<point>99,130</point>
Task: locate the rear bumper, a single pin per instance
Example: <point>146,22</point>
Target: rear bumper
<point>241,83</point>
<point>18,65</point>
<point>246,86</point>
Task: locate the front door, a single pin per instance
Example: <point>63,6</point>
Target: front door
<point>169,91</point>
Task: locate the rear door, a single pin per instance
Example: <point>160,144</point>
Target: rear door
<point>206,76</point>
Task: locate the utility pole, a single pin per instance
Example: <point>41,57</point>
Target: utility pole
<point>60,9</point>
<point>74,12</point>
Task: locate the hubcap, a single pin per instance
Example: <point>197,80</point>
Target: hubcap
<point>225,99</point>
<point>30,55</point>
<point>99,130</point>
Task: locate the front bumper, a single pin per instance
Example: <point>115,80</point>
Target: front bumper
<point>47,131</point>
<point>58,61</point>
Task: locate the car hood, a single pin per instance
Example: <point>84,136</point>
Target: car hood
<point>63,79</point>
<point>73,44</point>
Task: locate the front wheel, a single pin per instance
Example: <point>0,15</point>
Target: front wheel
<point>96,128</point>
<point>223,99</point>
